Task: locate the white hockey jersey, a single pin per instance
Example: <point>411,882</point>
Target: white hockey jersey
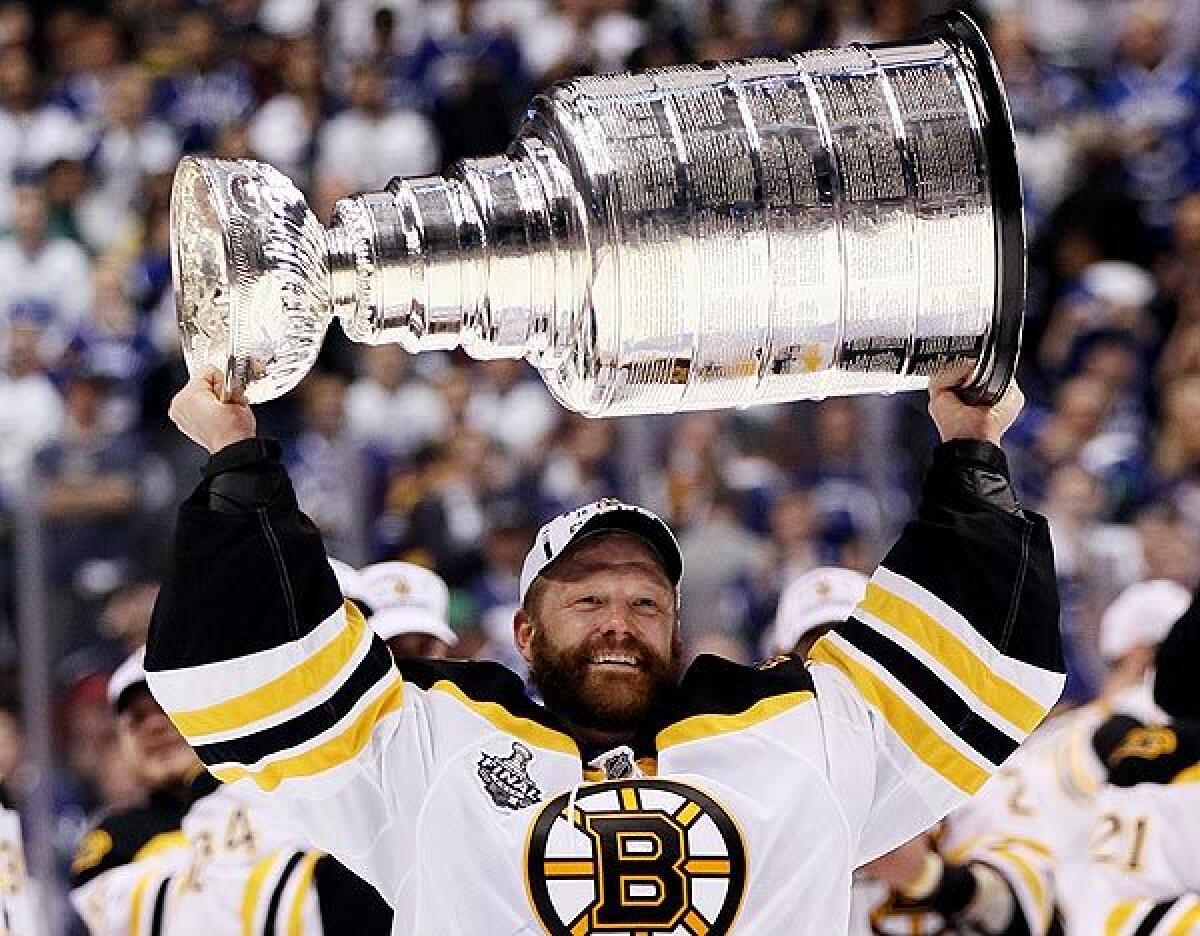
<point>741,809</point>
<point>18,916</point>
<point>248,871</point>
<point>1142,874</point>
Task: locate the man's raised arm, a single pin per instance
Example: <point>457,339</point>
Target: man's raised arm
<point>275,681</point>
<point>953,657</point>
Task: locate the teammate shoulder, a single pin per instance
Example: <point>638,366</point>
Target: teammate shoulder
<point>1134,751</point>
<point>479,679</point>
<point>119,839</point>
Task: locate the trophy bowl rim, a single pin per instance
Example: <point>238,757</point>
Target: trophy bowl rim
<point>965,37</point>
<point>188,169</point>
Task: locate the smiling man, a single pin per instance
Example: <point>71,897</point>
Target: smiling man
<point>638,799</point>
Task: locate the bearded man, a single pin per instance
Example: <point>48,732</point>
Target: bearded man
<point>638,800</point>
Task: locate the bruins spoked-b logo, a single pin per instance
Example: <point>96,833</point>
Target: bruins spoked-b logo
<point>638,857</point>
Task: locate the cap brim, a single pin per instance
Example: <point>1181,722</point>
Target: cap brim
<point>396,622</point>
<point>648,528</point>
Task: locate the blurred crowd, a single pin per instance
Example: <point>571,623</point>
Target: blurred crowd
<point>453,463</point>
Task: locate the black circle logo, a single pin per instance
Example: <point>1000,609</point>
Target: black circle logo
<point>639,856</point>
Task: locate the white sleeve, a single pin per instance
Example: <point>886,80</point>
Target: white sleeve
<point>947,664</point>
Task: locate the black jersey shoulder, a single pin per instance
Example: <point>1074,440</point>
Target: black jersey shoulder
<point>117,838</point>
<point>121,837</point>
<point>1133,751</point>
<point>717,695</point>
<point>482,684</point>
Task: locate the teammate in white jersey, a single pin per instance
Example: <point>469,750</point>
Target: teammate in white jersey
<point>1143,877</point>
<point>122,864</point>
<point>738,799</point>
<point>18,895</point>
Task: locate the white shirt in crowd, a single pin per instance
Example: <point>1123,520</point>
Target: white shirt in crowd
<point>57,273</point>
<point>396,421</point>
<point>33,141</point>
<point>31,414</point>
<point>281,133</point>
<point>122,160</point>
<point>364,152</point>
<point>517,420</point>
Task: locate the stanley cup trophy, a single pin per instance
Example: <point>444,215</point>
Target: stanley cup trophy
<point>732,234</point>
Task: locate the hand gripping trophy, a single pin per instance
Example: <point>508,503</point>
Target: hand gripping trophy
<point>722,235</point>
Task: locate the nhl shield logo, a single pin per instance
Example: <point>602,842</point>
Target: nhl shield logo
<point>507,780</point>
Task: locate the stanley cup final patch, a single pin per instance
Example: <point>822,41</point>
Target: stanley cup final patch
<point>507,780</point>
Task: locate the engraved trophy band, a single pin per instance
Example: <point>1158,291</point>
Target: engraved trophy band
<point>830,223</point>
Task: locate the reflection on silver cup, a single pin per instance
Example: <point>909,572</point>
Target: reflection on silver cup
<point>832,223</point>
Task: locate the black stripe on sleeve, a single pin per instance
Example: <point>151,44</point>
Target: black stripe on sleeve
<point>253,747</point>
<point>922,682</point>
<point>160,908</point>
<point>277,893</point>
<point>994,567</point>
<point>1154,917</point>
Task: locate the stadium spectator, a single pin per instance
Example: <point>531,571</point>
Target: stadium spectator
<point>37,266</point>
<point>391,407</point>
<point>31,411</point>
<point>512,407</point>
<point>283,131</point>
<point>93,479</point>
<point>128,146</point>
<point>1177,448</point>
<point>365,145</point>
<point>328,477</point>
<point>32,133</point>
<point>1155,106</point>
<point>206,90</point>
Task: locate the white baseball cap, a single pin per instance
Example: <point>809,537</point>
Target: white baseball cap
<point>128,676</point>
<point>603,516</point>
<point>405,599</point>
<point>823,596</point>
<point>1141,615</point>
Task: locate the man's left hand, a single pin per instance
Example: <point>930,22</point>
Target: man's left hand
<point>958,420</point>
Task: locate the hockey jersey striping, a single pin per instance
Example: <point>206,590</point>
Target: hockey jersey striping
<point>346,741</point>
<point>254,914</point>
<point>704,726</point>
<point>435,780</point>
<point>1146,918</point>
<point>249,699</point>
<point>1007,687</point>
<point>918,733</point>
<point>303,886</point>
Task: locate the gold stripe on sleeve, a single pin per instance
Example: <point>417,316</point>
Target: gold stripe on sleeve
<point>1183,926</point>
<point>304,877</point>
<point>943,645</point>
<point>919,736</point>
<point>136,900</point>
<point>250,894</point>
<point>1119,916</point>
<point>281,693</point>
<point>331,753</point>
<point>1033,881</point>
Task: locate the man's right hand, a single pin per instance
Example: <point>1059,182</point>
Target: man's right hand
<point>206,419</point>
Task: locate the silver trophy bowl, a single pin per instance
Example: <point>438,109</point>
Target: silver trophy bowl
<point>836,222</point>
